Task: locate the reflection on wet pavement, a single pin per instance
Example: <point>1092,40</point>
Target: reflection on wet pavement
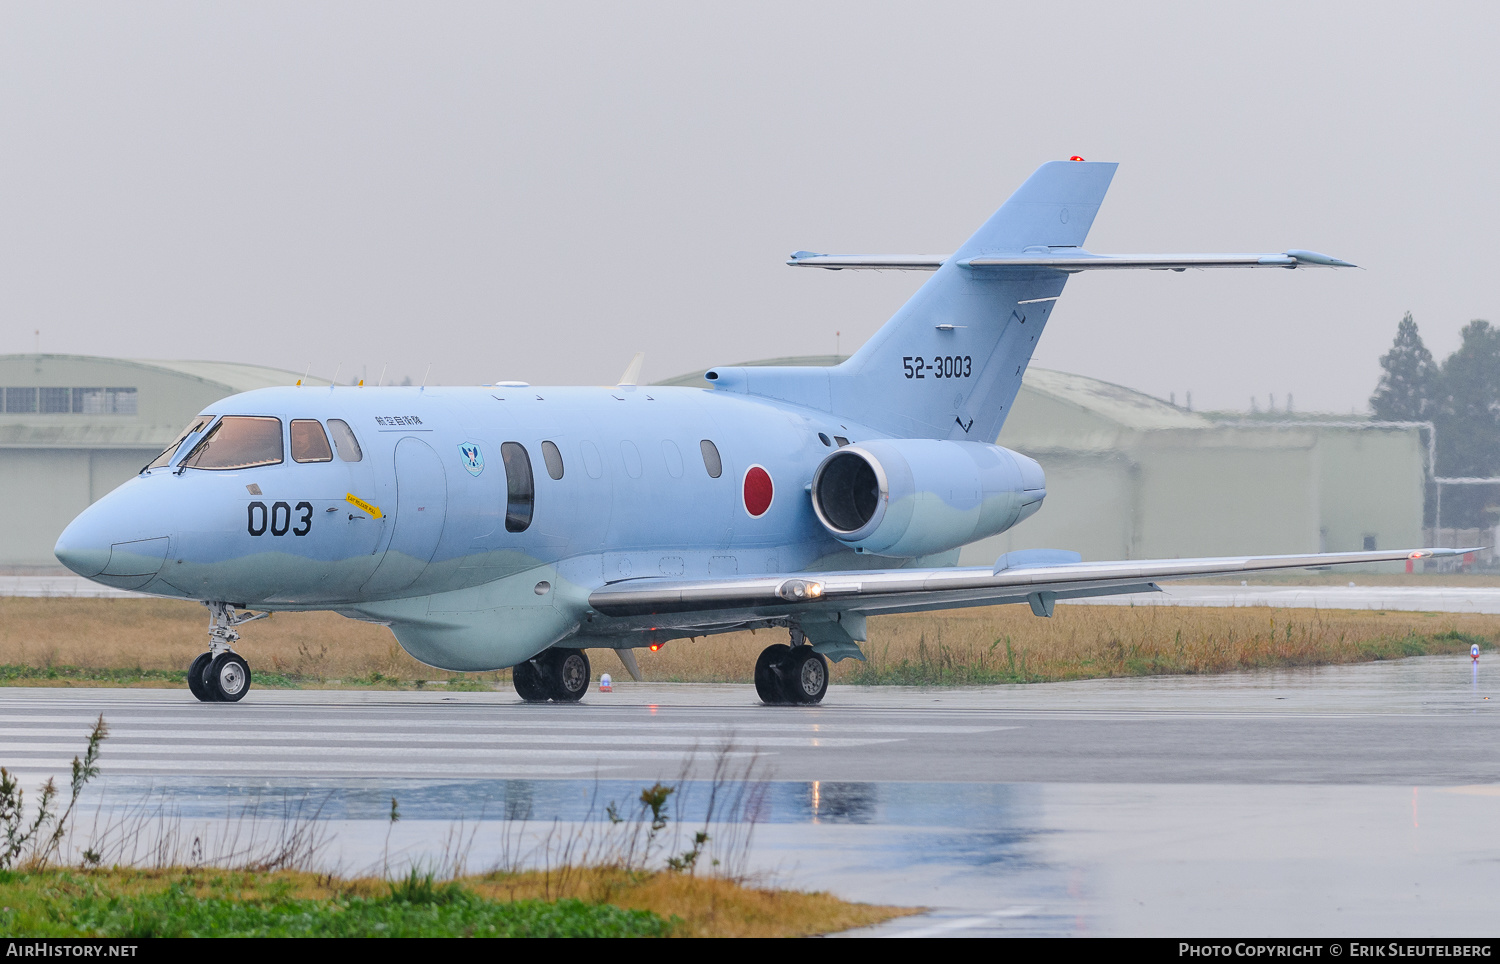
<point>1340,800</point>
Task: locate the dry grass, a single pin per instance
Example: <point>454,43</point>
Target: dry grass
<point>148,641</point>
<point>1303,577</point>
<point>165,635</point>
<point>1009,644</point>
<point>708,906</point>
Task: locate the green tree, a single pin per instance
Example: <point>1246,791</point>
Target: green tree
<point>1468,424</point>
<point>1408,384</point>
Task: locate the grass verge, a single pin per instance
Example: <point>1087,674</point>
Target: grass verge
<point>601,902</point>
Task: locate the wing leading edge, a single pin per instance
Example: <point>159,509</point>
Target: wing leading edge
<point>676,602</point>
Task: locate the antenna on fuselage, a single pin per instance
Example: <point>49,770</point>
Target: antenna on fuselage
<point>382,374</point>
<point>632,373</point>
<point>334,383</point>
<point>304,375</point>
<point>424,377</point>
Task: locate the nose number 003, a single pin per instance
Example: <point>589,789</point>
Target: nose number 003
<point>278,519</point>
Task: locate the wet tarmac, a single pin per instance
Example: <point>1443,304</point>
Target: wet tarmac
<point>1343,800</point>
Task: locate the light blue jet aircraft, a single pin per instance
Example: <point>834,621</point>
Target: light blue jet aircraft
<point>513,526</point>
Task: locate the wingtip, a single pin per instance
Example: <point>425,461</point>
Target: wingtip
<point>1317,258</point>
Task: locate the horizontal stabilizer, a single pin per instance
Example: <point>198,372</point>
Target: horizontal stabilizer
<point>1070,260</point>
<point>868,262</point>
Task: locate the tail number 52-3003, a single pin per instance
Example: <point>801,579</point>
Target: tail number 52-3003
<point>944,366</point>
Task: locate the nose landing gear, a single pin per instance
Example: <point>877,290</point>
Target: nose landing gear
<point>221,675</point>
<point>560,675</point>
<point>789,675</point>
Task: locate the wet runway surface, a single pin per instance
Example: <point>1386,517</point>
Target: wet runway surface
<point>1342,800</point>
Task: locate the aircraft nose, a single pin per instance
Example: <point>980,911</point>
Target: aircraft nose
<point>84,545</point>
<point>115,542</point>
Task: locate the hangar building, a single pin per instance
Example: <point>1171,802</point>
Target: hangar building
<point>72,427</point>
<point>1132,477</point>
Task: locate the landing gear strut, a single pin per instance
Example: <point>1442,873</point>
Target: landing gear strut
<point>560,675</point>
<point>221,675</point>
<point>788,675</point>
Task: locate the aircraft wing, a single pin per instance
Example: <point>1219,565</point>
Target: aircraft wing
<point>1070,260</point>
<point>680,603</point>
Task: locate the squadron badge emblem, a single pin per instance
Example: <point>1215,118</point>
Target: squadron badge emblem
<point>473,458</point>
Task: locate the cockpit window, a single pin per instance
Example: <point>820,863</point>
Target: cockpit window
<point>344,440</point>
<point>238,442</point>
<point>309,444</point>
<point>194,427</point>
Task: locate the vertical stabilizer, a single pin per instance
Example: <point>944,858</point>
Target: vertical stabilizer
<point>949,363</point>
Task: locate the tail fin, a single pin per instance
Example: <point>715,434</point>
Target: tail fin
<point>949,363</point>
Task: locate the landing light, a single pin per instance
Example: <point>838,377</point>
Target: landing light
<point>656,647</point>
<point>798,590</point>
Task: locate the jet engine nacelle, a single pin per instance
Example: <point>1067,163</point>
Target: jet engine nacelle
<point>915,497</point>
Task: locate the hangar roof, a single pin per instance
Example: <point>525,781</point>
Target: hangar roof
<point>1077,396</point>
<point>85,401</point>
<point>1126,407</point>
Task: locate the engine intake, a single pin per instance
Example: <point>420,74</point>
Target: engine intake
<point>914,497</point>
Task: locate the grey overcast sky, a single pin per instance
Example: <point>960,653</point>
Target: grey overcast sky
<point>537,190</point>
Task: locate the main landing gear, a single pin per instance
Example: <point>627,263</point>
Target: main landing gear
<point>221,675</point>
<point>561,675</point>
<point>789,675</point>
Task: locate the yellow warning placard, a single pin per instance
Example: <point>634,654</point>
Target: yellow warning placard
<point>356,501</point>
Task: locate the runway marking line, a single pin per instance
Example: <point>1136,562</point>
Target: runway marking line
<point>966,923</point>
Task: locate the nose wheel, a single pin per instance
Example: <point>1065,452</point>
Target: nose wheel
<point>221,675</point>
<point>224,678</point>
<point>560,675</point>
<point>790,675</point>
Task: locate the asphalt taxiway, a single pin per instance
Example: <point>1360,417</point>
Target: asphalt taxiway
<point>1358,799</point>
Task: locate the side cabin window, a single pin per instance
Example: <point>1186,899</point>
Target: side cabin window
<point>238,442</point>
<point>553,458</point>
<point>194,427</point>
<point>520,488</point>
<point>711,460</point>
<point>309,444</point>
<point>344,440</point>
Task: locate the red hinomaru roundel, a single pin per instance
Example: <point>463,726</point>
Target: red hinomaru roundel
<point>759,491</point>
